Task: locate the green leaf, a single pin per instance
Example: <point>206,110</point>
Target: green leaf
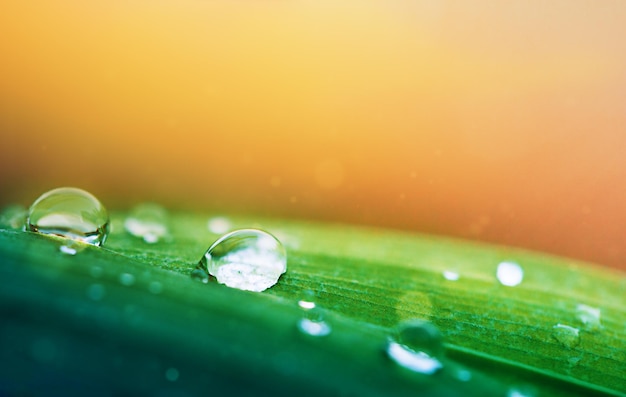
<point>128,318</point>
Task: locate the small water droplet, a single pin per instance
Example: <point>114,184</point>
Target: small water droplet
<point>96,292</point>
<point>307,300</point>
<point>127,279</point>
<point>416,345</point>
<point>70,213</point>
<point>147,221</point>
<point>589,316</point>
<point>314,328</point>
<point>219,225</point>
<point>450,275</point>
<point>510,274</point>
<point>246,259</point>
<point>155,287</point>
<point>13,217</point>
<point>566,335</point>
<point>172,374</point>
<point>67,250</point>
<point>200,275</point>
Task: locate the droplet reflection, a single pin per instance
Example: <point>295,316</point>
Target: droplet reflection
<point>416,345</point>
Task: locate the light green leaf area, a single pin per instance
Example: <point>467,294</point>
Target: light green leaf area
<point>132,311</point>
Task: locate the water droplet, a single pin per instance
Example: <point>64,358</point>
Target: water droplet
<point>127,279</point>
<point>450,275</point>
<point>172,374</point>
<point>566,335</point>
<point>67,250</point>
<point>416,345</point>
<point>70,213</point>
<point>219,225</point>
<point>589,316</point>
<point>307,300</point>
<point>510,274</point>
<point>96,292</point>
<point>147,221</point>
<point>314,328</point>
<point>155,287</point>
<point>312,322</point>
<point>13,217</point>
<point>200,275</point>
<point>246,259</point>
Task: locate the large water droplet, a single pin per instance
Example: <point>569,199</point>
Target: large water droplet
<point>247,259</point>
<point>510,274</point>
<point>147,221</point>
<point>416,345</point>
<point>589,316</point>
<point>71,213</point>
<point>566,335</point>
<point>13,217</point>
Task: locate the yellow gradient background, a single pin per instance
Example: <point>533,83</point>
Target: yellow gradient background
<point>501,121</point>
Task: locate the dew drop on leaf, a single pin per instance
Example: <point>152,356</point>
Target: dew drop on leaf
<point>67,250</point>
<point>313,323</point>
<point>314,328</point>
<point>307,301</point>
<point>589,316</point>
<point>70,213</point>
<point>509,274</point>
<point>450,275</point>
<point>566,335</point>
<point>246,259</point>
<point>416,345</point>
<point>147,221</point>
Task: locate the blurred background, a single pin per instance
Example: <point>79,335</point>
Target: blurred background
<point>495,121</point>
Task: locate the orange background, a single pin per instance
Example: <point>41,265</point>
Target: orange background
<point>497,121</point>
